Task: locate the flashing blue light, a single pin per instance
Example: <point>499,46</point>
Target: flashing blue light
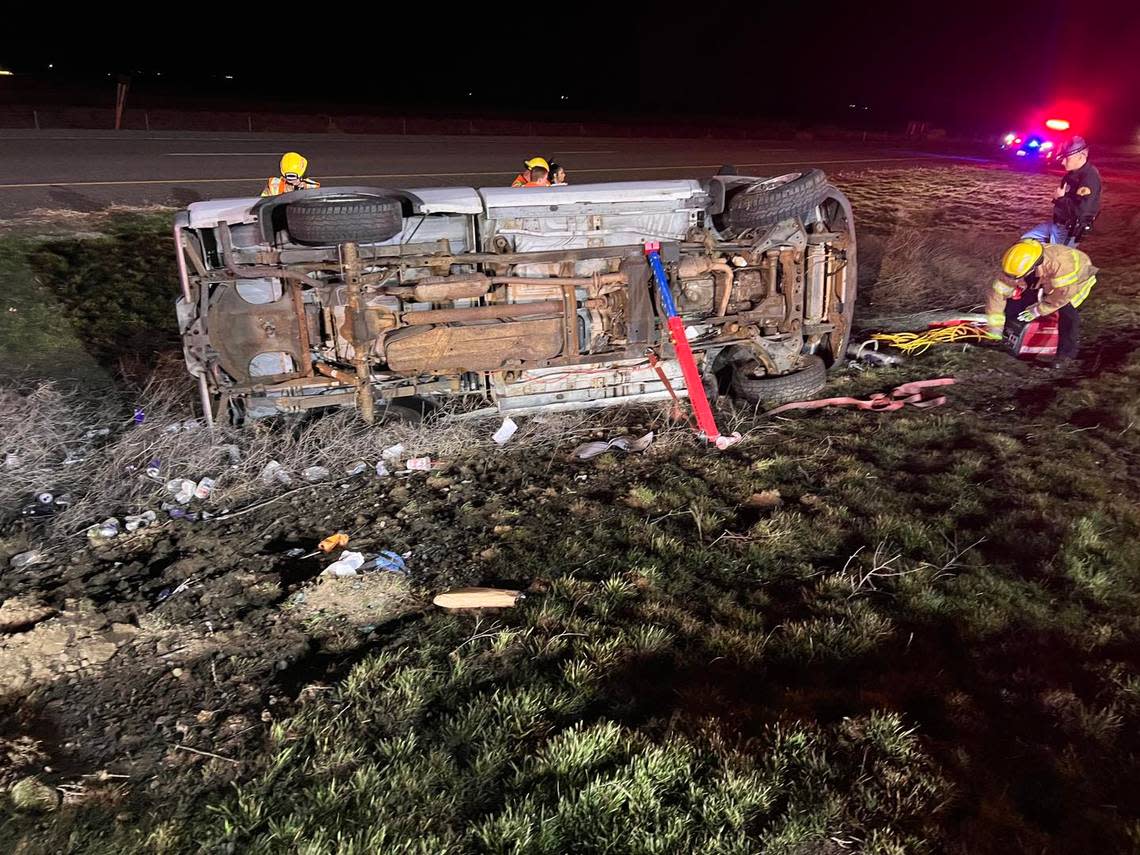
<point>1033,143</point>
<point>1021,153</point>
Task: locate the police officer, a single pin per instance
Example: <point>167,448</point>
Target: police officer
<point>1076,202</point>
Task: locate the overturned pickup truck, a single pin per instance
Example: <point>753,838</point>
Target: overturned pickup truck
<point>518,298</point>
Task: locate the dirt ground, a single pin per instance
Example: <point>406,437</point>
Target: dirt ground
<point>157,674</point>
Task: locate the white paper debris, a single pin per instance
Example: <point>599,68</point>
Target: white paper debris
<point>505,431</point>
<point>346,565</point>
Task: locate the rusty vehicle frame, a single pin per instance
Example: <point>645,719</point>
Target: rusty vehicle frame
<point>519,299</point>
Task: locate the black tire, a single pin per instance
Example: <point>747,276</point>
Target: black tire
<point>326,222</point>
<point>769,202</point>
<point>749,383</point>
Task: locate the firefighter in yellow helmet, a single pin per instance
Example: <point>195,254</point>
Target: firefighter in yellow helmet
<point>1038,279</point>
<point>292,177</point>
<point>524,177</point>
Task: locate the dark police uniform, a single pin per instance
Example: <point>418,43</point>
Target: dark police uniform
<point>1076,210</point>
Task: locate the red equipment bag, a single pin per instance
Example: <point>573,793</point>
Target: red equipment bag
<point>1036,338</point>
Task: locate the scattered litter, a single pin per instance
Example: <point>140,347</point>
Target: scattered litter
<point>868,351</point>
<point>419,464</point>
<point>313,474</point>
<point>139,416</point>
<point>348,564</point>
<point>590,450</point>
<point>274,471</point>
<point>183,489</point>
<point>153,469</point>
<point>137,521</point>
<point>45,505</point>
<point>233,453</point>
<point>182,514</point>
<point>35,509</point>
<point>11,461</point>
<point>880,402</point>
<point>204,488</point>
<point>387,560</point>
<point>72,459</point>
<point>333,541</point>
<point>167,593</point>
<point>381,469</point>
<point>105,530</point>
<point>765,499</point>
<point>505,432</point>
<point>478,598</point>
<point>96,433</point>
<point>393,452</point>
<point>295,552</point>
<point>27,559</point>
<point>356,468</point>
<point>187,426</point>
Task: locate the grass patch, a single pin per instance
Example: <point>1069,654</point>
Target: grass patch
<point>928,645</point>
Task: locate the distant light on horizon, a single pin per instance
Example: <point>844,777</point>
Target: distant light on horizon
<point>5,72</point>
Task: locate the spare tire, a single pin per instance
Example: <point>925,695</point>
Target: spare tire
<point>329,221</point>
<point>751,384</point>
<point>766,203</point>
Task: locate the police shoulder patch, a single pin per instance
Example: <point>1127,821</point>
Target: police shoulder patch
<point>1084,191</point>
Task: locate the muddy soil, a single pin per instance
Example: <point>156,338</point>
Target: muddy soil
<point>150,653</point>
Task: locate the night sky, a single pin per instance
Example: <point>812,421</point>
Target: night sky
<point>965,65</point>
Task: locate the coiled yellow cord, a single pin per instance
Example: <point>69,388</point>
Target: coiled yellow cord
<point>914,343</point>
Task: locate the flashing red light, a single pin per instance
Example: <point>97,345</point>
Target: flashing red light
<point>1057,124</point>
<point>1016,141</point>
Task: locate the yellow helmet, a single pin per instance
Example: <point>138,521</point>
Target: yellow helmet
<point>1022,257</point>
<point>537,161</point>
<point>293,164</point>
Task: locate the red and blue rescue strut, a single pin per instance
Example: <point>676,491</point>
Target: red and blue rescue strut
<point>701,409</point>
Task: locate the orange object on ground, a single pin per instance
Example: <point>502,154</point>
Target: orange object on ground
<point>333,541</point>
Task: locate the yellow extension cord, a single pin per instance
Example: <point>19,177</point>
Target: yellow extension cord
<point>913,343</point>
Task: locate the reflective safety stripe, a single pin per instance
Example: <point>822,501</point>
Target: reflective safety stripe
<point>1083,293</point>
<point>1002,288</point>
<point>275,187</point>
<point>1069,278</point>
